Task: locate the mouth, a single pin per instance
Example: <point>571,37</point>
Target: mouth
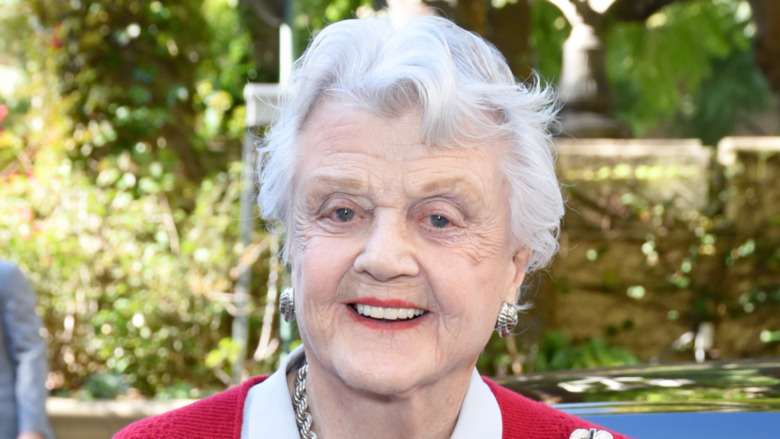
<point>387,313</point>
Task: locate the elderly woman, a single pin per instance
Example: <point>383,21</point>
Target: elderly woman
<point>414,180</point>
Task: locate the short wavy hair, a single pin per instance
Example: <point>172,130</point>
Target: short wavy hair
<point>464,90</point>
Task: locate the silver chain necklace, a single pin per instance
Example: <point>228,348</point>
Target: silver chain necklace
<point>302,416</point>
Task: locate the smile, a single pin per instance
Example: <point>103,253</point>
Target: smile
<point>382,313</point>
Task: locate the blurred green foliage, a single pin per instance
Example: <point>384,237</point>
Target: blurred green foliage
<point>120,181</point>
<point>686,71</point>
<point>125,283</point>
<point>556,352</point>
<point>309,16</point>
<point>104,386</point>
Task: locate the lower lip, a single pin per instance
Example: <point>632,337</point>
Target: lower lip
<point>386,325</point>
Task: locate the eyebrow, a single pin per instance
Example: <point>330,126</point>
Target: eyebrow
<point>335,181</point>
<point>457,186</point>
<point>451,184</point>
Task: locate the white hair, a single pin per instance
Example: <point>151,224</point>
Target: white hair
<point>464,90</point>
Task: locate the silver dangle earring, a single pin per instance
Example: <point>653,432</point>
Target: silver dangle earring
<point>507,319</point>
<point>287,304</point>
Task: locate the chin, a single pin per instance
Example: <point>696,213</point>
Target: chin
<point>390,373</point>
<point>383,382</point>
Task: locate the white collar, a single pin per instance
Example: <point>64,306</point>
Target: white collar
<point>269,413</point>
<point>268,410</point>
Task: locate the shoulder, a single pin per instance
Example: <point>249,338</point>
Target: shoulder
<point>216,417</point>
<point>6,267</point>
<point>14,285</point>
<point>17,297</point>
<point>10,273</point>
<point>525,418</point>
<point>9,270</point>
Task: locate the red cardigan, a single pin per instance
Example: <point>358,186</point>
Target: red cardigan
<point>220,417</point>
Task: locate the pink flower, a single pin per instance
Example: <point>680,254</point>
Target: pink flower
<point>26,214</point>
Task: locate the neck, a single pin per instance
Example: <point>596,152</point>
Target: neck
<point>343,412</point>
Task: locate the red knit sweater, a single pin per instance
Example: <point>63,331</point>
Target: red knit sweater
<point>220,417</point>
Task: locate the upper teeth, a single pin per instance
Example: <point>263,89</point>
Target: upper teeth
<point>378,312</point>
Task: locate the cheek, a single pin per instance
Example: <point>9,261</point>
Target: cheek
<point>466,323</point>
<point>482,263</point>
<point>316,276</point>
<point>470,282</point>
<point>320,265</point>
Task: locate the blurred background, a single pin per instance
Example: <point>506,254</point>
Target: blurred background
<point>125,134</point>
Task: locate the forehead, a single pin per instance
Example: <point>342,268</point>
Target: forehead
<point>343,128</point>
<point>352,143</point>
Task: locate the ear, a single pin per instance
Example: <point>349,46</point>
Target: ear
<point>519,263</point>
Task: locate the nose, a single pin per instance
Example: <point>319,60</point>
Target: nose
<point>389,249</point>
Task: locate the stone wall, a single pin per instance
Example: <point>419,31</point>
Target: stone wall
<point>664,241</point>
<point>100,419</point>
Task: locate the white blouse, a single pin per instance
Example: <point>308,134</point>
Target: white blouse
<point>269,413</point>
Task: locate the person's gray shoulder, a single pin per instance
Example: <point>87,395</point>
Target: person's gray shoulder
<point>7,272</point>
<point>6,268</point>
<point>10,271</point>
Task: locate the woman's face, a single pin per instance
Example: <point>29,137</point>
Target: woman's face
<point>401,253</point>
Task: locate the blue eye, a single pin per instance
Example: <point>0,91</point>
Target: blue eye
<point>344,215</point>
<point>439,221</point>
